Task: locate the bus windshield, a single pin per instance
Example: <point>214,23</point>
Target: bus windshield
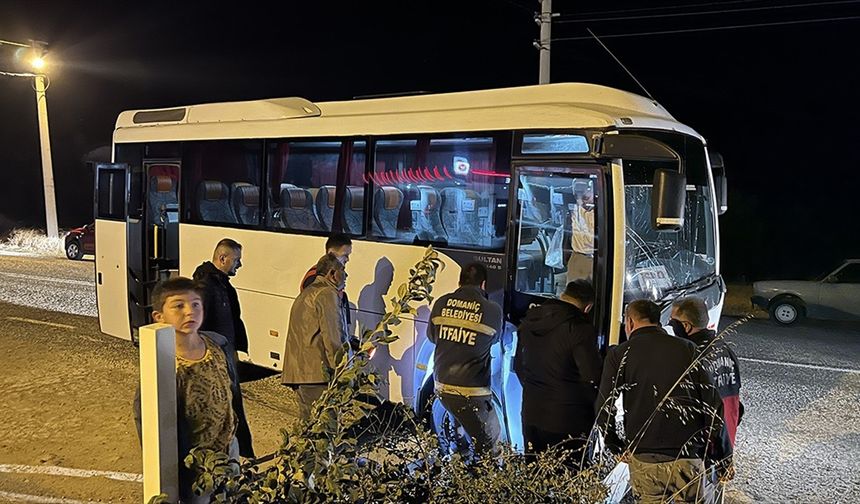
<point>658,262</point>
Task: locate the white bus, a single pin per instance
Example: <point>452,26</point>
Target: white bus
<point>497,176</point>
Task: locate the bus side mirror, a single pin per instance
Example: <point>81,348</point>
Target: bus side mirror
<point>721,184</point>
<point>668,199</point>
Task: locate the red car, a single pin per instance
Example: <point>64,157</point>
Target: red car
<point>81,241</point>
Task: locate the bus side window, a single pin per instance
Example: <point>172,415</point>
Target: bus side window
<point>444,190</point>
<point>221,181</point>
<point>302,184</point>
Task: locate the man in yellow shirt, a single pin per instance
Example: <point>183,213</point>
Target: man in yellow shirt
<point>581,262</point>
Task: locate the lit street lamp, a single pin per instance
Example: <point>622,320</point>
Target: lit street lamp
<point>37,62</point>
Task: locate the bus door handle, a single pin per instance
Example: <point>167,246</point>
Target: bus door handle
<point>155,241</point>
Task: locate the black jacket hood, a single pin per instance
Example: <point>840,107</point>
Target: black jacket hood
<point>542,319</point>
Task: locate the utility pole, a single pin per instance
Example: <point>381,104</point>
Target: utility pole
<point>36,61</point>
<point>543,46</point>
<point>45,142</point>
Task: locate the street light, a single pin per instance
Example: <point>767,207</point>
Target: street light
<point>37,62</point>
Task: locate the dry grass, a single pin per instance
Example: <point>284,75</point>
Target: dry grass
<point>33,242</point>
<point>738,302</point>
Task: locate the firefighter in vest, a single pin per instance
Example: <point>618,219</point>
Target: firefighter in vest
<point>464,325</point>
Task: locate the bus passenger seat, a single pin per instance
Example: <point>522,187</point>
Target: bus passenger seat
<point>297,210</point>
<point>426,216</point>
<point>324,202</point>
<point>213,203</point>
<point>246,202</point>
<point>162,196</point>
<point>386,209</point>
<point>460,216</point>
<point>353,210</point>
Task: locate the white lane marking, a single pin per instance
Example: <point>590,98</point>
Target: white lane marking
<point>16,497</point>
<point>67,281</point>
<point>797,364</point>
<point>67,471</point>
<point>41,322</point>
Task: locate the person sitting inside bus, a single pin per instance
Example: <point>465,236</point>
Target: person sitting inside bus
<point>208,398</point>
<point>464,325</point>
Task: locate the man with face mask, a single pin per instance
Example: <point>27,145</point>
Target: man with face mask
<point>690,320</point>
<point>559,367</point>
<point>672,411</point>
<point>316,332</point>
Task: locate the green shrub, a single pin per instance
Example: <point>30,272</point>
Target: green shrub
<point>354,450</point>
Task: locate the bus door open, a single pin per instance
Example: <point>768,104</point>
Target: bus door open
<point>554,232</point>
<point>552,239</point>
<point>111,182</point>
<point>153,232</point>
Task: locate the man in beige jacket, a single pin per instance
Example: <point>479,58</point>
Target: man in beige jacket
<point>316,332</point>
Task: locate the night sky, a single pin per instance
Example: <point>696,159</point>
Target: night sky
<point>777,101</point>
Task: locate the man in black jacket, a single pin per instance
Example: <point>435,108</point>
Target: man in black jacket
<point>690,320</point>
<point>464,325</point>
<point>559,366</point>
<point>672,411</point>
<point>221,304</point>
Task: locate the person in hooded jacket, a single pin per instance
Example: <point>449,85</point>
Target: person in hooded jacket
<point>558,364</point>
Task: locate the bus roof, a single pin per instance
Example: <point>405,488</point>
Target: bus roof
<point>550,106</point>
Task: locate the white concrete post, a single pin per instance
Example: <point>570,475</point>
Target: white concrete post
<point>158,411</point>
<point>47,163</point>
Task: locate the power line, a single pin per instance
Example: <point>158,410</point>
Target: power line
<point>712,28</point>
<point>620,63</point>
<point>705,13</point>
<point>667,7</point>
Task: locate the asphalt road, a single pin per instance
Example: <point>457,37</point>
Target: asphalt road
<point>65,394</point>
<point>800,437</point>
<point>51,283</point>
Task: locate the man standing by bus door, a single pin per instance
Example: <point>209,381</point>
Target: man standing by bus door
<point>222,313</point>
<point>464,325</point>
<point>559,366</point>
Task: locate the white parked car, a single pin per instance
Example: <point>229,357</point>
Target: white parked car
<point>834,297</point>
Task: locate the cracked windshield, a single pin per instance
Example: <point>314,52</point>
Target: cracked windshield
<point>661,261</point>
